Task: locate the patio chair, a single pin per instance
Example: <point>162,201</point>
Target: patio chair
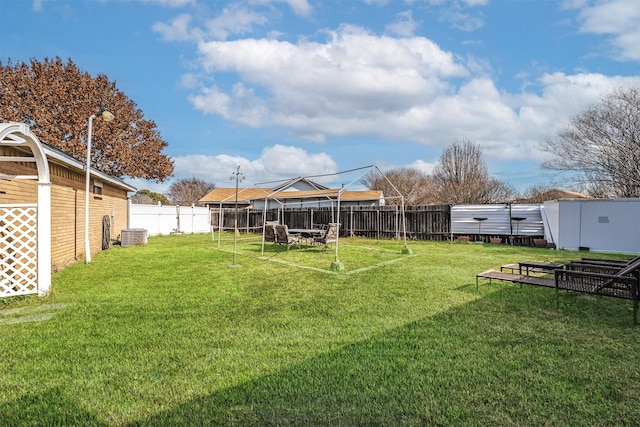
<point>270,232</point>
<point>622,284</point>
<point>609,262</point>
<point>331,236</point>
<point>284,238</point>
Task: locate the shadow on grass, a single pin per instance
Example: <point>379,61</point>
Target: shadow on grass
<point>513,357</point>
<point>467,366</point>
<point>51,408</point>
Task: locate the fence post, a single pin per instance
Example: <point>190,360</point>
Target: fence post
<point>351,220</point>
<point>396,223</point>
<point>193,214</point>
<point>159,217</point>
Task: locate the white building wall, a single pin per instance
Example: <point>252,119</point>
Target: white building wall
<point>602,225</point>
<point>551,218</point>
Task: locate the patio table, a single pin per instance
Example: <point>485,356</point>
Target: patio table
<point>308,233</point>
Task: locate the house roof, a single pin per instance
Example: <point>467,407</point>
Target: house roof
<point>246,195</point>
<point>554,194</point>
<point>293,181</point>
<point>329,194</point>
<point>57,156</point>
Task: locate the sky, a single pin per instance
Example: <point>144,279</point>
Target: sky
<point>289,88</point>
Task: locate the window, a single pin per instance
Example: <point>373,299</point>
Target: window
<point>97,188</point>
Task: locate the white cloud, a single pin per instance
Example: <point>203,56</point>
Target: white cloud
<point>275,163</point>
<point>400,89</point>
<point>170,3</point>
<point>178,30</point>
<point>404,25</point>
<point>475,2</point>
<point>235,19</point>
<point>619,19</point>
<point>341,87</point>
<point>299,7</point>
<point>240,105</point>
<point>378,2</point>
<point>422,166</point>
<point>190,81</point>
<point>462,21</point>
<point>36,6</point>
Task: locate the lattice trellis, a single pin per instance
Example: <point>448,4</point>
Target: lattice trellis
<point>18,250</point>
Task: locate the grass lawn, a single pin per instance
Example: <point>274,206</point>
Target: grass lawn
<point>169,334</point>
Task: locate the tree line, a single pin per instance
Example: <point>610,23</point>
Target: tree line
<point>460,177</point>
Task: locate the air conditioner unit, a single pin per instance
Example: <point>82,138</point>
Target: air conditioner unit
<point>133,236</point>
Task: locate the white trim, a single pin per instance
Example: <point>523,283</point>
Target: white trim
<point>20,134</point>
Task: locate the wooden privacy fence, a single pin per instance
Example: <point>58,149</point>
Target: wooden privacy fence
<point>431,222</point>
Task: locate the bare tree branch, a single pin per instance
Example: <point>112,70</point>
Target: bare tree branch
<point>462,177</point>
<point>185,192</point>
<point>416,188</point>
<point>602,145</point>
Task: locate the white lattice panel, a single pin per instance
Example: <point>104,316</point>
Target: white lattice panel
<point>18,250</point>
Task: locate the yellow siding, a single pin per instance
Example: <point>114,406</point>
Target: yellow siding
<point>67,207</point>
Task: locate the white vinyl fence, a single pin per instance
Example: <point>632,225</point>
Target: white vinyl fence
<point>158,219</point>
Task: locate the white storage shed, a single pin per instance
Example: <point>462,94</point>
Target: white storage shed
<point>600,225</point>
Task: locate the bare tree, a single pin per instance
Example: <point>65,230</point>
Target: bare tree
<point>602,146</point>
<point>56,100</point>
<point>149,197</point>
<point>462,177</point>
<point>415,187</point>
<point>185,192</point>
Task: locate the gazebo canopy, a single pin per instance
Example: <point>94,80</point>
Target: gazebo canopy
<point>335,196</point>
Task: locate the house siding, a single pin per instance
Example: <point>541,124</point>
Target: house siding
<point>67,207</point>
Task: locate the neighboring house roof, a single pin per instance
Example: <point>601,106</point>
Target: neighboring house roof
<point>290,183</point>
<point>555,194</point>
<point>247,195</point>
<point>227,195</point>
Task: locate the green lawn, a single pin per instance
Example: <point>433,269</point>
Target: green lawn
<point>169,334</point>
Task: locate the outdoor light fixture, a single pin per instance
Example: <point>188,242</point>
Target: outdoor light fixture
<point>238,176</point>
<point>107,117</point>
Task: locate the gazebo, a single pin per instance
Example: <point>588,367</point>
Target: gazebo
<point>333,198</point>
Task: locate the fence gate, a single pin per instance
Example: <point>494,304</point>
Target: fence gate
<point>18,250</point>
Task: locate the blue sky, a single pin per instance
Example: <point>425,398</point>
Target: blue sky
<point>287,88</point>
